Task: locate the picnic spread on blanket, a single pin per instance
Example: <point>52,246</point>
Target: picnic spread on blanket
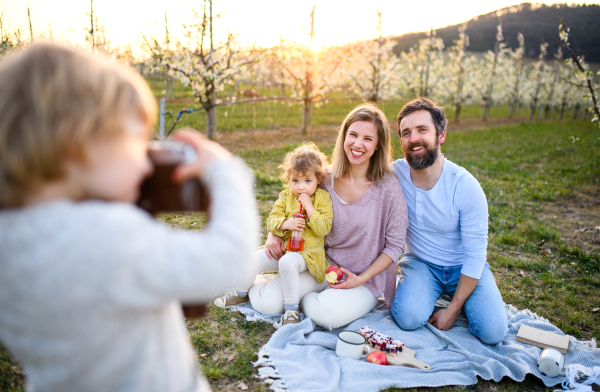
<point>454,357</point>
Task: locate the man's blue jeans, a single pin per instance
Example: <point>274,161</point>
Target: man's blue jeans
<point>421,285</point>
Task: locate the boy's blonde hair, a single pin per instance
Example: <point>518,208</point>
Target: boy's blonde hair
<point>304,160</point>
<point>382,157</point>
<point>55,101</point>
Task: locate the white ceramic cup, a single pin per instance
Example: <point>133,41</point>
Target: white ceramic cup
<point>351,344</point>
<point>551,362</point>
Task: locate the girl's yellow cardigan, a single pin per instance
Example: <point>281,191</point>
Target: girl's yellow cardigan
<point>317,227</point>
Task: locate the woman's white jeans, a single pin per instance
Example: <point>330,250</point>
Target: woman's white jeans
<point>334,308</point>
<point>269,293</point>
<point>329,308</point>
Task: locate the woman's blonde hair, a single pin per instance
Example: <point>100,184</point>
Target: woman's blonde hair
<point>305,159</point>
<point>55,101</point>
<point>382,157</point>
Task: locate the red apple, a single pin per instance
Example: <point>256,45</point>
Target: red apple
<point>377,357</point>
<point>333,274</point>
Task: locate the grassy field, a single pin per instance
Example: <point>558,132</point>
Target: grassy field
<point>542,181</point>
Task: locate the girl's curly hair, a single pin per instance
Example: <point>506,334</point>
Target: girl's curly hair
<point>303,160</point>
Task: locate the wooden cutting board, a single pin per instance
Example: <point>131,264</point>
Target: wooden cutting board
<point>406,358</point>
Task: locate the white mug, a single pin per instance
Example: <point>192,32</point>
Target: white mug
<point>551,362</point>
<point>351,344</point>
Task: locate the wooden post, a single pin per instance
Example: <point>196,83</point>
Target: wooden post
<point>161,120</point>
<point>212,112</point>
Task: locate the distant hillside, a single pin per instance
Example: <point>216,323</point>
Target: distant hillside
<point>537,22</point>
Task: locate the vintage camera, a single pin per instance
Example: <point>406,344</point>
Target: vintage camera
<point>160,194</point>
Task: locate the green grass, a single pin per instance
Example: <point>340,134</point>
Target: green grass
<point>523,170</point>
<point>277,114</point>
<point>274,115</point>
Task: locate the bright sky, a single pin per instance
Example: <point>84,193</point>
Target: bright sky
<point>263,21</point>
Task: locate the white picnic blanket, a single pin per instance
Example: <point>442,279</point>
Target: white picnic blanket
<point>300,357</point>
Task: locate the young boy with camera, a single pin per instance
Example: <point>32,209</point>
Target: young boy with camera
<point>91,286</point>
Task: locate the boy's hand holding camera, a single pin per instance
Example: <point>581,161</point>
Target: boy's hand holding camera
<point>208,152</point>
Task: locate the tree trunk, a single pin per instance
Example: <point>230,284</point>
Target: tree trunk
<point>486,111</point>
<point>536,99</point>
<point>532,107</point>
<point>211,123</point>
<point>208,122</point>
<point>457,113</point>
<point>576,112</point>
<point>488,101</point>
<point>513,106</point>
<point>306,115</point>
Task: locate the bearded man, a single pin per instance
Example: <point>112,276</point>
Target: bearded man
<point>446,243</point>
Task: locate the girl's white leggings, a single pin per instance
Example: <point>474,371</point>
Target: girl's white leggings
<point>282,288</point>
<point>328,308</point>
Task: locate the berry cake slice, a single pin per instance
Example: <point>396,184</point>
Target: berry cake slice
<point>382,342</point>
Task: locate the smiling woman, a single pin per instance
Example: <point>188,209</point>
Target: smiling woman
<point>360,143</point>
<point>361,185</point>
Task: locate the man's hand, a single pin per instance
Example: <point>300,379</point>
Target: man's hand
<point>296,224</point>
<point>443,319</point>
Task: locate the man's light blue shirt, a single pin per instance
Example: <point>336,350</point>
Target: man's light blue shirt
<point>448,224</point>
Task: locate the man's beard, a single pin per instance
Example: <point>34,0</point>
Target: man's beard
<point>421,161</point>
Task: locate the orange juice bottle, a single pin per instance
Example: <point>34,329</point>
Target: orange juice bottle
<point>296,242</point>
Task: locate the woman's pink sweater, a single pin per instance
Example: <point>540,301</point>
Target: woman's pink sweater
<point>377,222</point>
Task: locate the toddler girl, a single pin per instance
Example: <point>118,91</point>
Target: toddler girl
<point>303,170</point>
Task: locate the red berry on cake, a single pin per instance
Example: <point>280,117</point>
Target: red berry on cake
<point>382,342</point>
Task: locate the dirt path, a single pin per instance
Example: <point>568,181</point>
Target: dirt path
<point>577,218</point>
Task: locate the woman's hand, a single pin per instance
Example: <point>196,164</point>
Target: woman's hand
<point>352,280</point>
<point>207,150</point>
<point>274,247</point>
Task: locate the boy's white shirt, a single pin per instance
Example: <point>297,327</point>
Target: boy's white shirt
<point>90,291</point>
